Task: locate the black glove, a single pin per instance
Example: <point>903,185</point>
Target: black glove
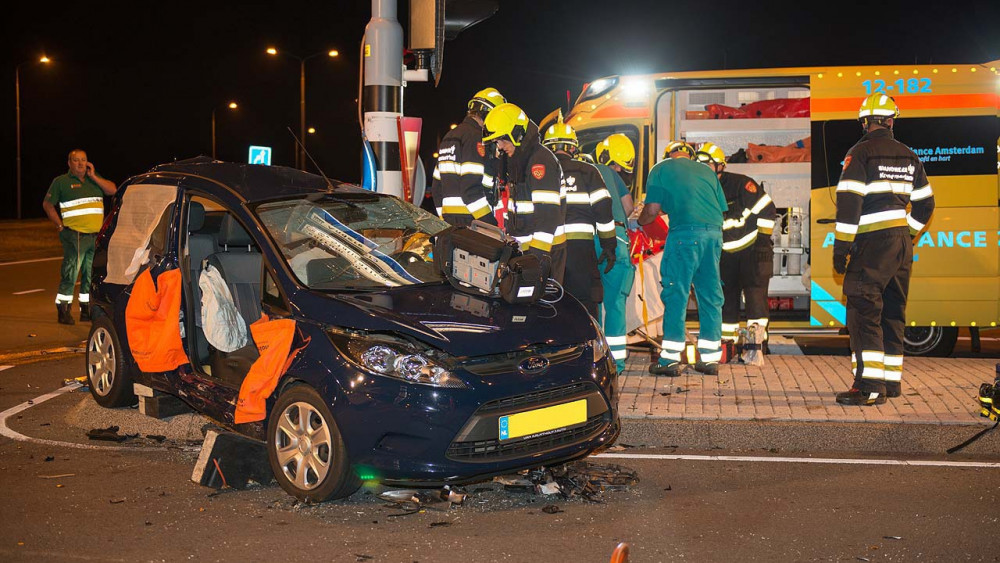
<point>608,254</point>
<point>840,263</point>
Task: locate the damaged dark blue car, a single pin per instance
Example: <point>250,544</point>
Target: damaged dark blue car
<point>392,374</point>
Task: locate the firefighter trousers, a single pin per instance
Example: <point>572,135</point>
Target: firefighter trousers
<point>691,255</point>
<point>617,287</point>
<point>876,284</point>
<point>581,278</point>
<point>78,256</point>
<point>745,272</point>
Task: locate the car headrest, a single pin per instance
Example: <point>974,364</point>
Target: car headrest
<point>196,216</point>
<point>231,233</point>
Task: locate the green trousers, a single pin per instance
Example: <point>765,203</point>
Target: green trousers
<point>617,287</point>
<point>78,256</point>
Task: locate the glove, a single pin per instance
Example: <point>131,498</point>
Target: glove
<point>633,223</point>
<point>840,263</point>
<point>609,255</point>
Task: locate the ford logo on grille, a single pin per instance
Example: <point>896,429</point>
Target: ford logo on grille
<point>533,365</point>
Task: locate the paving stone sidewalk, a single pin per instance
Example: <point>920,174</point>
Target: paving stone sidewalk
<point>801,389</point>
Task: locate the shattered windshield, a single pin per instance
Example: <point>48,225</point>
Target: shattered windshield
<point>353,240</point>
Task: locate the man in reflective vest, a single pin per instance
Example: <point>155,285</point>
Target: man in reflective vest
<point>873,248</point>
<point>79,196</point>
<point>462,182</point>
<point>747,249</point>
<point>588,212</point>
<point>616,156</point>
<point>692,199</point>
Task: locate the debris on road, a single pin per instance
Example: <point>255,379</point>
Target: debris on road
<point>109,434</point>
<point>552,509</point>
<point>116,501</point>
<point>580,479</point>
<point>229,460</point>
<point>60,476</point>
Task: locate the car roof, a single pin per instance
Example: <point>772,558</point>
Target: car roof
<point>254,182</point>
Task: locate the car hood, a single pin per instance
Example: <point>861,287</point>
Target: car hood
<point>455,322</point>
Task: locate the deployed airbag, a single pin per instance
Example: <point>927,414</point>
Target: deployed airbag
<point>223,325</point>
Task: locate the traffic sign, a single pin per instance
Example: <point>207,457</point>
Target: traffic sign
<point>260,155</point>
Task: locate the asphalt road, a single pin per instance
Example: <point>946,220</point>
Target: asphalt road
<point>139,504</point>
<point>28,310</point>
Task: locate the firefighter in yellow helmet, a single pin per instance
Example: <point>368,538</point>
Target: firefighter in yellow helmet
<point>873,248</point>
<point>588,213</point>
<point>462,184</point>
<point>747,249</point>
<point>530,183</point>
<point>615,157</point>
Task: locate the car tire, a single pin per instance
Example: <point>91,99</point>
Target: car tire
<point>305,448</point>
<point>936,341</point>
<point>107,369</point>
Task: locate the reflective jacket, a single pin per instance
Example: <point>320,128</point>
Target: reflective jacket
<point>535,183</point>
<point>750,218</point>
<point>880,177</point>
<point>461,179</point>
<point>588,203</point>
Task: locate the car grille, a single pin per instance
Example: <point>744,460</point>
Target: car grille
<point>528,400</point>
<point>507,363</point>
<point>495,450</point>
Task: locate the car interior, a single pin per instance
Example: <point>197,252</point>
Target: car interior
<point>215,237</point>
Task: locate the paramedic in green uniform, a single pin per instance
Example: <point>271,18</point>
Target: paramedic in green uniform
<point>692,198</point>
<point>616,155</point>
<point>75,203</point>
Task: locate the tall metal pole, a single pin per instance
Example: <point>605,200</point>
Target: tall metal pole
<point>382,97</point>
<point>213,133</point>
<point>302,114</point>
<point>17,105</point>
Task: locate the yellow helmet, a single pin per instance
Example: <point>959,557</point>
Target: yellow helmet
<point>710,153</point>
<point>486,99</point>
<point>505,120</point>
<point>878,106</point>
<point>674,146</point>
<point>617,149</point>
<point>585,157</point>
<point>560,136</point>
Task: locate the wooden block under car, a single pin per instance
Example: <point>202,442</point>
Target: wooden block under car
<point>230,460</point>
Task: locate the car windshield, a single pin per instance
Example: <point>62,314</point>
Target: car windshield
<point>349,241</point>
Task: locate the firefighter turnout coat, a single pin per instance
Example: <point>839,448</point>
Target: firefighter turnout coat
<point>461,180</point>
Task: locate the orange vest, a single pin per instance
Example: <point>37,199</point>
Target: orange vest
<point>152,322</point>
<point>274,342</point>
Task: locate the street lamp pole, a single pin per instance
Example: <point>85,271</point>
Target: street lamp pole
<point>17,109</point>
<point>300,151</point>
<point>232,105</point>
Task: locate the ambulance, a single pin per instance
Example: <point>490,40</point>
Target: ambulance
<point>790,129</point>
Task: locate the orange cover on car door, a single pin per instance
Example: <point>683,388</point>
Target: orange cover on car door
<point>152,322</point>
<point>274,342</point>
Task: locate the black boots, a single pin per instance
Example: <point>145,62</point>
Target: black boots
<point>866,393</point>
<point>711,368</point>
<point>893,389</point>
<point>672,370</point>
<point>64,315</point>
<point>84,312</point>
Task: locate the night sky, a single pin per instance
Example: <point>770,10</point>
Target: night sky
<point>135,83</point>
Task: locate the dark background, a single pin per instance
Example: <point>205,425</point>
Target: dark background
<point>135,83</point>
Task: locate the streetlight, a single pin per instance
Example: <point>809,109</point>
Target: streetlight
<point>17,106</point>
<point>300,153</point>
<point>231,105</point>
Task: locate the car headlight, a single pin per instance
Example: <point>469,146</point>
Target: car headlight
<point>398,359</point>
<point>598,344</point>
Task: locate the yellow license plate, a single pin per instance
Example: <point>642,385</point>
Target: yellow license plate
<point>542,420</point>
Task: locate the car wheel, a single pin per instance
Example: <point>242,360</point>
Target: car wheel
<point>110,381</point>
<point>305,448</point>
<point>929,340</point>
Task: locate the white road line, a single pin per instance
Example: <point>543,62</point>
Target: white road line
<point>846,461</point>
<point>28,291</point>
<point>30,261</point>
<point>5,431</point>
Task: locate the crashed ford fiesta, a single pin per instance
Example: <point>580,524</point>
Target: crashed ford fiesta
<point>312,317</point>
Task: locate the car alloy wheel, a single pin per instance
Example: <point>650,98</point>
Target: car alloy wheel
<point>107,366</point>
<point>302,442</point>
<point>101,361</point>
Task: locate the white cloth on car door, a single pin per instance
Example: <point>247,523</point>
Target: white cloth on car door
<point>224,327</point>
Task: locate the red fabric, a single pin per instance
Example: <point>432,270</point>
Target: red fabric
<point>152,322</point>
<point>657,230</point>
<point>783,107</point>
<point>274,343</point>
<point>719,111</point>
<point>799,151</point>
<point>641,243</point>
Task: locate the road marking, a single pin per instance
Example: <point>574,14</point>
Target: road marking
<point>14,435</point>
<point>30,261</point>
<point>28,291</point>
<point>846,461</point>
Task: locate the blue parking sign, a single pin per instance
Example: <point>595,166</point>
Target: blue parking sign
<point>260,155</point>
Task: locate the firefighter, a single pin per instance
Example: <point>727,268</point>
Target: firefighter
<point>615,157</point>
<point>588,213</point>
<point>873,248</point>
<point>692,198</point>
<point>747,249</point>
<point>463,180</point>
<point>530,186</point>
